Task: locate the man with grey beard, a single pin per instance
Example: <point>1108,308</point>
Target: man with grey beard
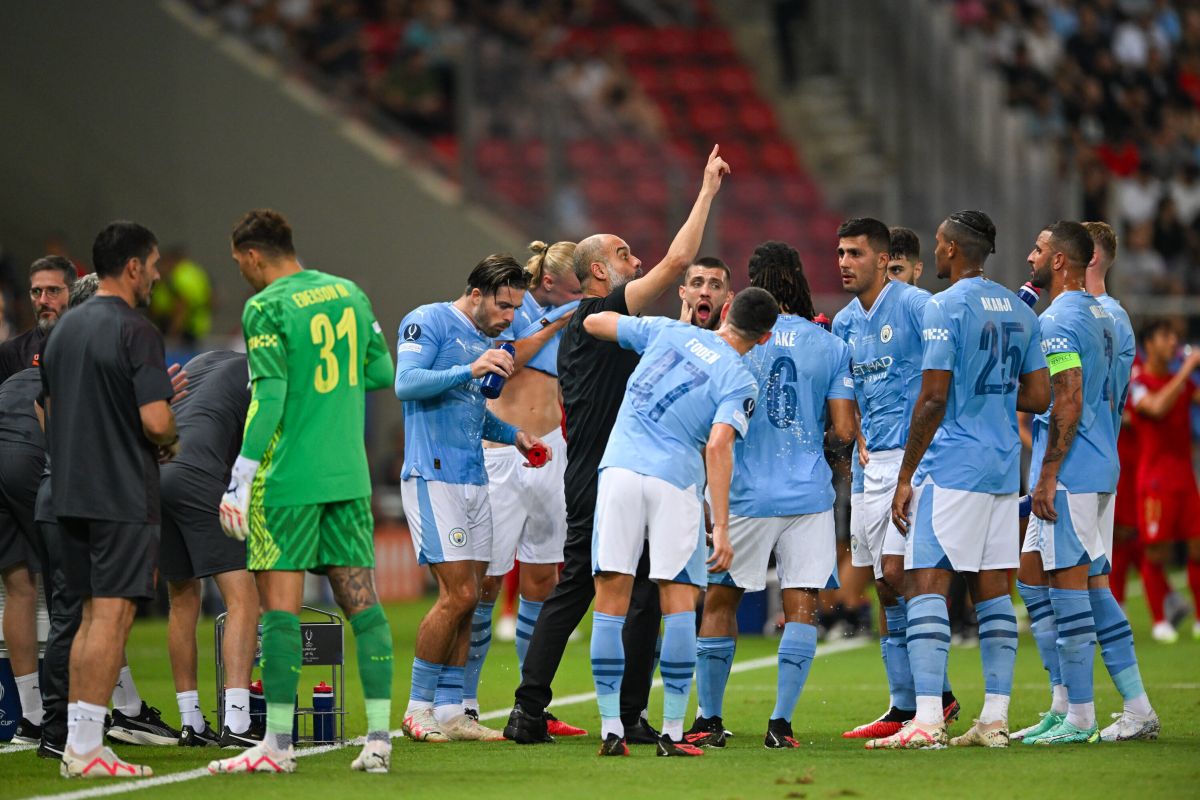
<point>50,280</point>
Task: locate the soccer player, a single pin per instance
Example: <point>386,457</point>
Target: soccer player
<point>1125,548</point>
<point>882,325</point>
<point>529,508</point>
<point>299,488</point>
<point>956,493</point>
<point>1137,719</point>
<point>803,377</point>
<point>50,279</point>
<point>445,350</point>
<point>592,375</point>
<point>108,423</point>
<point>210,418</point>
<point>1170,504</point>
<point>691,391</point>
<point>905,264</point>
<point>1073,472</point>
<point>704,293</point>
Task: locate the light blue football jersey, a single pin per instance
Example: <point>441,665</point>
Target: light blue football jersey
<point>1126,351</point>
<point>443,435</point>
<point>532,317</point>
<point>688,380</point>
<point>779,466</point>
<point>885,346</point>
<point>987,339</point>
<point>1076,323</point>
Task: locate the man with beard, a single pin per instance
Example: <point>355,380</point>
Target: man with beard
<point>50,280</point>
<point>108,423</point>
<point>22,451</point>
<point>593,375</point>
<point>445,351</point>
<point>705,291</point>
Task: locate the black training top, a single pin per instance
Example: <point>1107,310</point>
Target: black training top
<point>212,414</point>
<point>592,374</point>
<point>103,361</point>
<point>18,420</point>
<point>21,352</point>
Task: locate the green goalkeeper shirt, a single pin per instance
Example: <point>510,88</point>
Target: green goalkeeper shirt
<point>317,333</point>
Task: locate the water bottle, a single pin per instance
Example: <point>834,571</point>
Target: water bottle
<point>258,709</point>
<point>537,456</point>
<point>258,706</point>
<point>322,703</point>
<point>493,382</point>
<point>1029,293</point>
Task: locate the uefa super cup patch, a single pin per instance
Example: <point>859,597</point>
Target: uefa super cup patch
<point>412,332</point>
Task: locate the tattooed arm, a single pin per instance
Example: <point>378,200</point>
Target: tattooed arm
<point>1067,386</point>
<point>927,416</point>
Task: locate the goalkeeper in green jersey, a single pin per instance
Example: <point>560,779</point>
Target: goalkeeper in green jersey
<point>300,490</point>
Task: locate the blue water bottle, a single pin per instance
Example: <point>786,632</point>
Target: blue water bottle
<point>323,699</point>
<point>493,382</point>
<point>1029,293</point>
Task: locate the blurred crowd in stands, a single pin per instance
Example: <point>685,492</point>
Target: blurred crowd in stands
<point>1116,83</point>
<point>399,56</point>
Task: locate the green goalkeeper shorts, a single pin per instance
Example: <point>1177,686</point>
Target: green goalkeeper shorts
<point>311,537</point>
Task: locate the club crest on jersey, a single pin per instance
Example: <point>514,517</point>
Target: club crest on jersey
<point>458,537</point>
<point>885,334</point>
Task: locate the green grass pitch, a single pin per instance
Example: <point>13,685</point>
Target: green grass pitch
<point>844,688</point>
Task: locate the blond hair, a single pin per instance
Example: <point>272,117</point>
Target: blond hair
<point>1104,237</point>
<point>553,258</point>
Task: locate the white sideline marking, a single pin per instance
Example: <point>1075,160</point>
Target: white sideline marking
<point>131,785</point>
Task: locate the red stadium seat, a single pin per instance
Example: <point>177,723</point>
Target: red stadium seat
<point>715,45</point>
<point>673,43</point>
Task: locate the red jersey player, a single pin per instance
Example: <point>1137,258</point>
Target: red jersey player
<point>1167,495</point>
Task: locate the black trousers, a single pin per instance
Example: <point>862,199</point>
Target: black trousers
<point>565,608</point>
<point>66,612</point>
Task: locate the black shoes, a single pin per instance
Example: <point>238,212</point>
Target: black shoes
<point>252,736</point>
<point>205,738</point>
<point>706,732</point>
<point>668,747</point>
<point>614,746</point>
<point>27,732</point>
<point>779,736</point>
<point>145,728</point>
<point>526,728</point>
<point>51,750</point>
<point>641,732</point>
